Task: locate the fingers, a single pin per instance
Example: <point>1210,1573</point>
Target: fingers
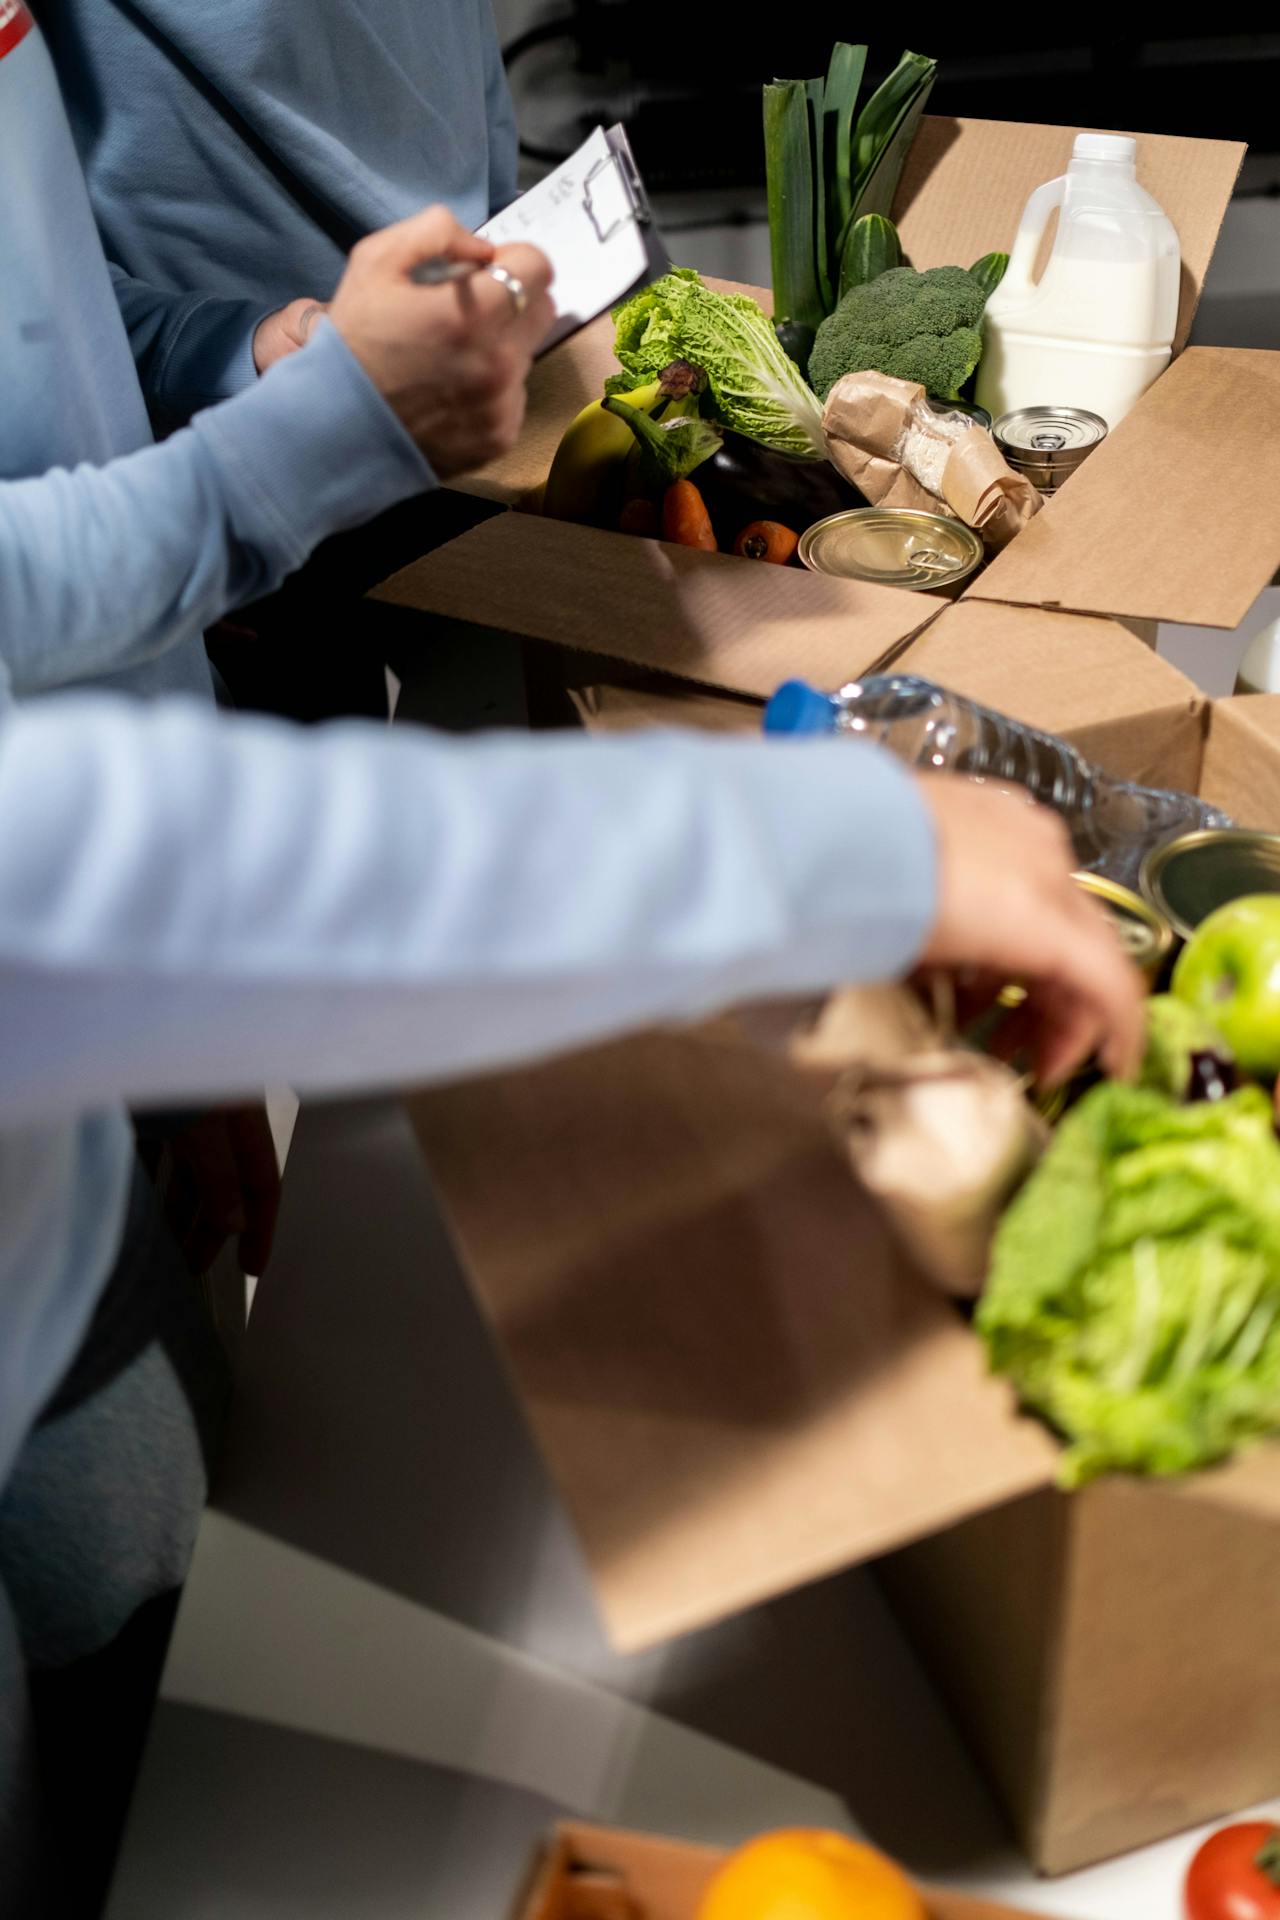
<point>488,304</point>
<point>431,235</point>
<point>1010,907</point>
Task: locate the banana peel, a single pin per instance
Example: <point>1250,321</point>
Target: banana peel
<point>585,481</point>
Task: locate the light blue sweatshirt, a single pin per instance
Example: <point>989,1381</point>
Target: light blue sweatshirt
<point>237,149</point>
<point>191,907</point>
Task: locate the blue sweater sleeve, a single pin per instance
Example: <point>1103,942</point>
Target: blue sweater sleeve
<point>104,567</point>
<point>193,906</point>
<point>190,349</point>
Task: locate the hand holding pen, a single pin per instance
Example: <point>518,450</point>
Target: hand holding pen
<point>446,326</point>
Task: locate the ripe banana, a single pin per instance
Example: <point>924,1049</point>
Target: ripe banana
<point>589,461</point>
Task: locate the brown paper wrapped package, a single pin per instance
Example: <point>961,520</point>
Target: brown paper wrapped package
<point>939,1134</point>
<point>877,430</point>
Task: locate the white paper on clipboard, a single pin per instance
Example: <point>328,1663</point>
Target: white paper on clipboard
<point>591,218</point>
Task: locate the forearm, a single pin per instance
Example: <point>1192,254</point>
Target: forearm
<point>104,567</point>
<point>191,908</point>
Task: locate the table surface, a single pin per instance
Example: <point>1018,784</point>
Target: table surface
<point>388,1678</point>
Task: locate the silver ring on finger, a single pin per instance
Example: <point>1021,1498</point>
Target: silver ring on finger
<point>514,286</point>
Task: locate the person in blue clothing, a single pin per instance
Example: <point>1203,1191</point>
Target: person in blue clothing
<point>235,152</point>
<point>192,906</point>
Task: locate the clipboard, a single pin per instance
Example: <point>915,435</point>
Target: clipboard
<point>593,219</point>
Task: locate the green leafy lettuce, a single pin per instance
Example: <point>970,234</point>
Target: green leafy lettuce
<point>1134,1298</point>
<point>753,387</point>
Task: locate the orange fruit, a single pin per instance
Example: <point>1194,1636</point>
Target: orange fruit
<point>803,1873</point>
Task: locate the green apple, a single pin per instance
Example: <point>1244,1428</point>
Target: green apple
<point>1230,970</point>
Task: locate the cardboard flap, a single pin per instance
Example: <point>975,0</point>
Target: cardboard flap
<point>1242,760</point>
<point>737,1383</point>
<point>966,183</point>
<point>1177,514</point>
<point>632,709</point>
<point>705,617</point>
<point>1087,679</point>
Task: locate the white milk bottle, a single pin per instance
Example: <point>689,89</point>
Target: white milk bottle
<point>1097,327</point>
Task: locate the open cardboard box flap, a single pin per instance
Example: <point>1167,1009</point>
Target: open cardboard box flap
<point>1121,704</point>
<point>1242,759</point>
<point>736,1383</point>
<point>704,617</point>
<point>1125,708</point>
<point>667,1878</point>
<point>966,182</point>
<point>1176,516</point>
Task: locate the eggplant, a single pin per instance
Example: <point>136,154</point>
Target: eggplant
<point>745,481</point>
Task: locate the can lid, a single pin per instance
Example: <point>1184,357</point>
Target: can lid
<point>1189,878</point>
<point>1104,146</point>
<point>1145,934</point>
<point>893,546</point>
<point>1054,436</point>
<point>799,708</point>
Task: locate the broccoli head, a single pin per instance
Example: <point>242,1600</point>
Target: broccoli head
<point>916,326</point>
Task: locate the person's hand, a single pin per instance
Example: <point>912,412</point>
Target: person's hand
<point>1010,912</point>
<point>223,1183</point>
<point>451,361</point>
<point>285,331</point>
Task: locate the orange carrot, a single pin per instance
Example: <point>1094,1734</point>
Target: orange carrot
<point>685,519</point>
<point>639,516</point>
<point>767,540</point>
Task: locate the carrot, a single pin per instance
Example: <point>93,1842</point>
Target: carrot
<point>767,540</point>
<point>639,516</point>
<point>685,519</point>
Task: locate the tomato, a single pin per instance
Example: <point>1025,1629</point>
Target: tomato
<point>1236,1874</point>
<point>807,1874</point>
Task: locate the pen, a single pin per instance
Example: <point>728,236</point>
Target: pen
<point>440,271</point>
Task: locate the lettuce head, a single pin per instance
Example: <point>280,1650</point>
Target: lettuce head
<point>755,388</point>
<point>1134,1297</point>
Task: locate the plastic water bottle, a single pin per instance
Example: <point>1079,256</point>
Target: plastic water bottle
<point>1113,823</point>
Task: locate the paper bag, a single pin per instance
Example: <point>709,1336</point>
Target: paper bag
<point>940,1135</point>
<point>900,451</point>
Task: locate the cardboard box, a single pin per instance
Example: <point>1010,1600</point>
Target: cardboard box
<point>603,1873</point>
<point>1176,516</point>
<point>741,1385</point>
<point>1090,680</point>
<point>738,1381</point>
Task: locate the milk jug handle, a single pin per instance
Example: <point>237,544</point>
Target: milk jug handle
<point>1035,219</point>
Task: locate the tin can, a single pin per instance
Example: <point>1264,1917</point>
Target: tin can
<point>893,547</point>
<point>1047,444</point>
<point>1145,933</point>
<point>1189,878</point>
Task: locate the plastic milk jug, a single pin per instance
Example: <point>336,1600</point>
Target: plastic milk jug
<point>1097,327</point>
<point>1260,668</point>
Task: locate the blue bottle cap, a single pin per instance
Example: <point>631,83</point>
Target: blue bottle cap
<point>799,708</point>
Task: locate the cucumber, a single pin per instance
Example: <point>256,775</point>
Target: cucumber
<point>990,271</point>
<point>871,249</point>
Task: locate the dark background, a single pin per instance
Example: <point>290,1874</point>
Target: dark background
<point>689,78</point>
